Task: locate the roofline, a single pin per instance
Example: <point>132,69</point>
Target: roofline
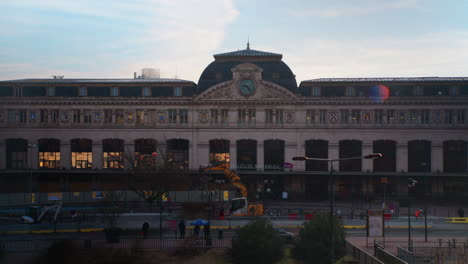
<point>98,81</point>
<point>385,79</point>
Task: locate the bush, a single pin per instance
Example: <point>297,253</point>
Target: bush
<point>257,243</point>
<point>59,252</point>
<point>313,243</point>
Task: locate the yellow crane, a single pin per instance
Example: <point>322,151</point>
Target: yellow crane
<point>240,206</point>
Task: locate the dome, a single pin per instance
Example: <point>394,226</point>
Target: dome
<point>274,69</point>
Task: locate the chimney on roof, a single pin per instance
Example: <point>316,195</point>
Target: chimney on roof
<point>134,75</point>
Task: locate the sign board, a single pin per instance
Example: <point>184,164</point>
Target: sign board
<point>287,165</point>
<point>375,223</point>
<point>33,198</point>
<point>225,195</point>
<point>54,196</point>
<point>98,195</point>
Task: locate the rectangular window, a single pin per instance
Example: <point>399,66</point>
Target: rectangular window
<point>183,114</point>
<point>50,91</point>
<point>448,116</point>
<point>18,91</point>
<point>55,116</point>
<point>140,117</point>
<point>11,116</point>
<point>76,116</point>
<point>107,116</point>
<point>344,116</point>
<point>279,116</point>
<point>316,91</point>
<point>322,116</point>
<point>460,116</point>
<point>177,91</point>
<point>214,116</point>
<point>413,117</point>
<point>82,160</point>
<point>251,117</point>
<point>22,116</point>
<point>44,116</point>
<point>49,160</point>
<point>454,91</point>
<point>146,91</point>
<point>224,116</point>
<point>310,117</point>
<point>82,91</point>
<point>356,116</point>
<point>350,91</point>
<point>268,116</point>
<point>87,117</point>
<point>119,117</point>
<point>172,116</point>
<point>378,116</point>
<point>425,116</point>
<point>114,91</point>
<point>113,160</point>
<point>390,116</point>
<point>418,91</point>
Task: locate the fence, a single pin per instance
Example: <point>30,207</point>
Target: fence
<point>385,256</point>
<point>38,245</point>
<point>434,255</point>
<point>362,256</point>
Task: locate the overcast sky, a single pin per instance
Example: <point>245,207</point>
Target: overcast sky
<point>318,39</point>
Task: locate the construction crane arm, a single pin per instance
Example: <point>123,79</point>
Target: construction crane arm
<point>233,178</point>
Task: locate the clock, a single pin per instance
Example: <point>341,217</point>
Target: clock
<point>246,87</point>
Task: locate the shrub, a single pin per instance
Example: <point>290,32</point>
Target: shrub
<point>257,243</point>
<point>313,243</point>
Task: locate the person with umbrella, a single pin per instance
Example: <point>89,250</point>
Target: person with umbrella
<point>197,223</point>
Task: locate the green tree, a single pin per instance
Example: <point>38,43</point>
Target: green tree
<point>313,243</point>
<point>257,242</point>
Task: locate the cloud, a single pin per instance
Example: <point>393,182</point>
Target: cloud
<point>165,34</point>
<point>353,8</point>
<point>436,54</point>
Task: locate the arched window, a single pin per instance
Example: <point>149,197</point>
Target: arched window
<point>316,149</point>
<point>455,156</point>
<point>219,152</point>
<point>349,149</point>
<point>49,153</point>
<point>145,153</point>
<point>16,153</point>
<point>388,161</point>
<point>273,150</point>
<point>177,154</point>
<point>82,153</point>
<point>113,153</point>
<point>419,156</point>
<point>247,154</point>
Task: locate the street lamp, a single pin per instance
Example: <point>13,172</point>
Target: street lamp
<point>425,200</point>
<point>332,238</point>
<point>411,183</point>
<point>30,147</point>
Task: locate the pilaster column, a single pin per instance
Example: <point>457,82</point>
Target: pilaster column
<point>402,157</point>
<point>97,154</point>
<point>260,117</point>
<point>260,155</point>
<point>299,150</point>
<point>65,154</point>
<point>232,118</point>
<point>367,164</point>
<point>33,155</point>
<point>3,155</point>
<point>129,154</point>
<point>203,154</point>
<point>334,153</point>
<point>233,154</point>
<point>290,149</point>
<point>437,157</point>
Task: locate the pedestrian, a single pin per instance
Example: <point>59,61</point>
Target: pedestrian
<point>196,231</point>
<point>145,229</point>
<point>182,228</point>
<point>221,213</point>
<point>418,213</point>
<point>206,231</point>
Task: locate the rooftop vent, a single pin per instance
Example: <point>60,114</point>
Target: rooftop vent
<point>57,77</point>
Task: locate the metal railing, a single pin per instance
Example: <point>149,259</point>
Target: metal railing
<point>385,256</point>
<point>362,256</point>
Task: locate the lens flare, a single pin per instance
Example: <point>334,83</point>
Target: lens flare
<point>380,93</point>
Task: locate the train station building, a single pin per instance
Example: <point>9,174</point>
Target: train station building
<point>247,109</point>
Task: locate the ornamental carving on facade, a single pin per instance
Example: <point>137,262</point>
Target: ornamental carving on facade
<point>333,117</point>
<point>64,116</point>
<point>203,116</point>
<point>129,117</point>
<point>162,117</point>
<point>367,117</point>
<point>290,117</point>
<point>97,117</point>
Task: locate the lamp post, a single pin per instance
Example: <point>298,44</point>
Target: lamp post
<point>411,184</point>
<point>30,147</point>
<point>425,200</point>
<point>332,237</point>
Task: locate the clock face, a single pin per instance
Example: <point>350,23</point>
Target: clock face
<point>247,87</point>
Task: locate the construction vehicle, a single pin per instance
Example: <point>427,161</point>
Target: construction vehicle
<point>239,206</point>
<point>35,214</point>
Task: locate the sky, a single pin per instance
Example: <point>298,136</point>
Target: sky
<point>318,39</point>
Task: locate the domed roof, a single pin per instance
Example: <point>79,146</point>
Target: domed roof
<point>274,69</point>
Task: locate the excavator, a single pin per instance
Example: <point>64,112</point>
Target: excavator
<point>239,206</point>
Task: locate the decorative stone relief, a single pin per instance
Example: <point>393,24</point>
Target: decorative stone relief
<point>290,117</point>
<point>64,116</point>
<point>333,117</point>
<point>367,117</point>
<point>162,117</point>
<point>203,116</point>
